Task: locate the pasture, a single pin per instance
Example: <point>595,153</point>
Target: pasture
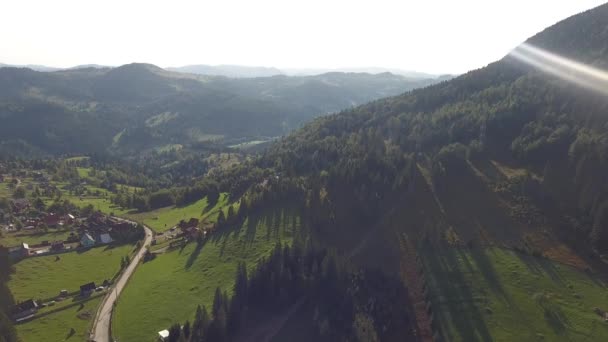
<point>502,295</point>
<point>169,288</point>
<point>43,277</point>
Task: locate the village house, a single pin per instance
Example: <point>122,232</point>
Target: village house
<point>51,220</point>
<point>120,225</point>
<point>105,238</point>
<point>38,176</point>
<point>191,233</point>
<point>87,240</point>
<point>97,219</point>
<point>57,246</point>
<point>25,310</point>
<point>33,222</point>
<point>25,250</point>
<point>87,289</point>
<point>68,219</point>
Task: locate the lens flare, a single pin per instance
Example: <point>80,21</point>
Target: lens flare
<point>563,68</point>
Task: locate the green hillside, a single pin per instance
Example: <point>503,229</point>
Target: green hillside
<point>170,287</point>
<point>497,294</point>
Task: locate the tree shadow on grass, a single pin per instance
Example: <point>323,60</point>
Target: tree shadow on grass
<point>541,266</point>
<point>70,334</point>
<point>487,270</point>
<point>454,295</point>
<point>273,227</point>
<point>195,253</point>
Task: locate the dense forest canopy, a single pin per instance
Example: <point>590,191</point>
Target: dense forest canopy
<point>507,112</point>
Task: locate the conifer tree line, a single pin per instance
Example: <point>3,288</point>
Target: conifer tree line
<point>340,304</point>
<point>7,330</point>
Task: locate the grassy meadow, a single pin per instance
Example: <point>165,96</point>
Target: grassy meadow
<point>43,277</point>
<point>16,238</point>
<point>163,219</point>
<point>169,288</point>
<point>57,326</point>
<point>501,295</point>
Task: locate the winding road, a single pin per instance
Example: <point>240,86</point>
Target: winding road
<point>101,325</point>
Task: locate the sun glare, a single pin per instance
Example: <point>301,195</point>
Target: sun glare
<point>564,68</point>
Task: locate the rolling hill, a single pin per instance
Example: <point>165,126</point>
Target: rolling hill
<point>140,106</point>
<point>505,162</point>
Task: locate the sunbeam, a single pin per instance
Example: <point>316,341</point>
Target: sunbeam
<point>566,69</point>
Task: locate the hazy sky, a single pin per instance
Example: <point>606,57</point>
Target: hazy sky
<point>434,36</point>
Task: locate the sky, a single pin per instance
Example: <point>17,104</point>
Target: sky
<point>426,35</point>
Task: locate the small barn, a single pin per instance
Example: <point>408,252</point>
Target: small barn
<point>87,289</point>
<point>87,240</point>
<point>25,249</point>
<point>105,238</point>
<point>25,309</point>
<point>57,246</point>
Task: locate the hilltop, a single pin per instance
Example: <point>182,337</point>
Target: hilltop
<point>506,154</point>
<point>141,106</point>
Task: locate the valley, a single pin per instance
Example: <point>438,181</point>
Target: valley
<point>232,203</point>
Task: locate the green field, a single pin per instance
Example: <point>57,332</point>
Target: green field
<point>128,188</point>
<point>501,295</point>
<point>165,218</point>
<point>83,172</point>
<point>43,277</point>
<point>169,288</point>
<point>77,159</point>
<point>56,326</point>
<point>5,191</point>
<point>248,144</point>
<point>15,239</point>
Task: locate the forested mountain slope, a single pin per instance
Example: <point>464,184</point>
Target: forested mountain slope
<point>140,106</point>
<point>505,154</point>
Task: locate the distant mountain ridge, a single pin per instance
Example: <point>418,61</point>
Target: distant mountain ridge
<point>240,71</point>
<point>141,106</point>
<point>234,71</point>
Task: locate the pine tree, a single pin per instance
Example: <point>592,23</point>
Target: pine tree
<point>243,208</point>
<point>221,219</point>
<point>218,302</point>
<point>186,330</point>
<point>231,215</point>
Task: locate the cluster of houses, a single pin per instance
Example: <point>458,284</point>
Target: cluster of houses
<point>87,232</point>
<point>190,229</point>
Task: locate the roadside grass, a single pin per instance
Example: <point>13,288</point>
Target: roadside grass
<point>163,219</point>
<point>57,326</point>
<point>501,295</point>
<point>14,239</point>
<point>168,289</point>
<point>44,277</point>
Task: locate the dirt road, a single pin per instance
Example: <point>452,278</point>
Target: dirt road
<point>101,326</point>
